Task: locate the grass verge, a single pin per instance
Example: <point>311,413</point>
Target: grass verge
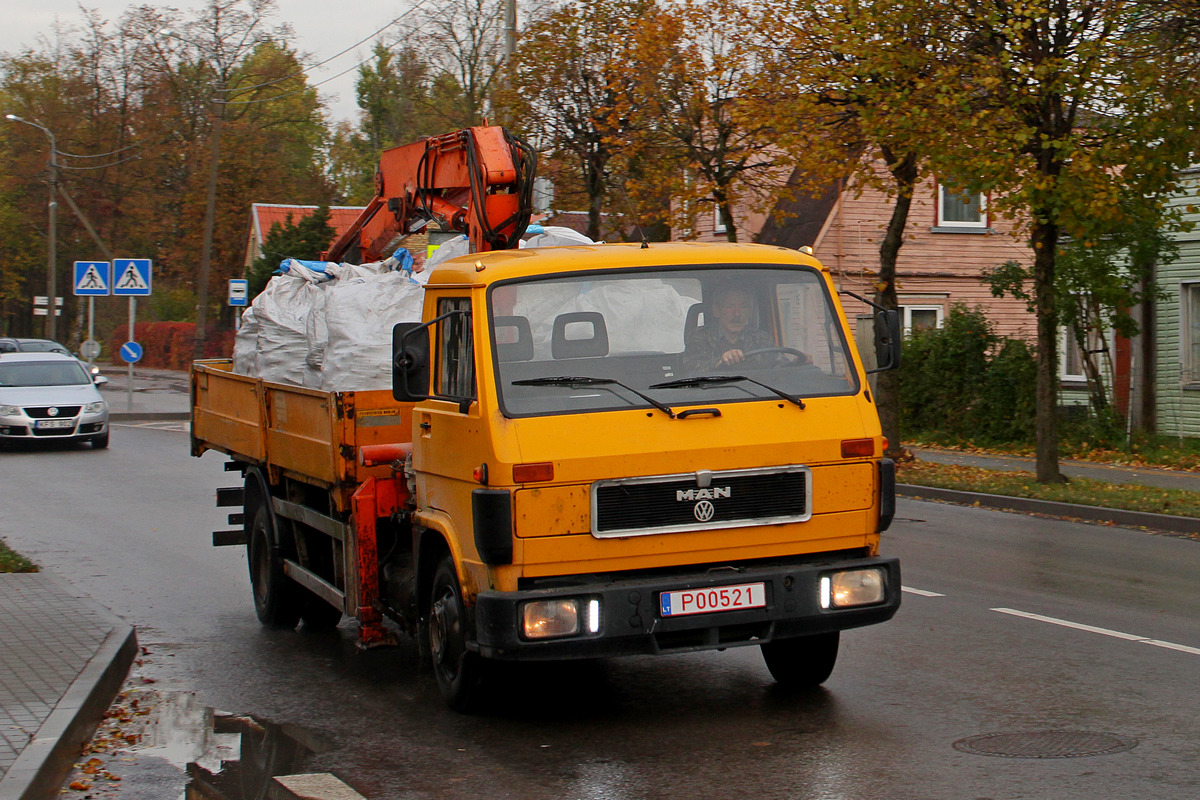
<point>12,561</point>
<point>1024,484</point>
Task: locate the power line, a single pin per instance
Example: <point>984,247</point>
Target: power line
<point>301,73</point>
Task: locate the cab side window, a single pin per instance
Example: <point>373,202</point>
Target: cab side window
<point>456,350</point>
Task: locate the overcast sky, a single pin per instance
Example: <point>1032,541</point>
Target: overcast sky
<point>322,28</point>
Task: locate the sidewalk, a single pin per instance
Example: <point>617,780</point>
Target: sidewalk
<point>62,663</point>
<point>157,394</point>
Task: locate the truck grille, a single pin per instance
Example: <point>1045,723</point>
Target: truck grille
<point>676,503</point>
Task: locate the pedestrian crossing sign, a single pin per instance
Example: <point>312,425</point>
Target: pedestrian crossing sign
<point>131,277</point>
<point>91,278</point>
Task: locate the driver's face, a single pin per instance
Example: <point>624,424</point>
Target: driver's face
<point>732,312</point>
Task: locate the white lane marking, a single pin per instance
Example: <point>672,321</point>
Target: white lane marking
<point>921,592</point>
<point>1129,637</point>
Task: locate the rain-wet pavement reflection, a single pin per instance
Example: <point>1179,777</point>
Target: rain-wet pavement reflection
<point>156,744</point>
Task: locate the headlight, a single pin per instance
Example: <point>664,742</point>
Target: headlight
<point>10,411</point>
<point>544,619</point>
<point>95,408</point>
<point>563,616</point>
<point>856,587</point>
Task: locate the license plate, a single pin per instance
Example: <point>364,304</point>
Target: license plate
<point>713,599</point>
<point>42,424</point>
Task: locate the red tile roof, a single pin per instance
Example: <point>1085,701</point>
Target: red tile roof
<point>264,215</point>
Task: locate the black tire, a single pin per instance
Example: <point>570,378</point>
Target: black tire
<point>804,662</point>
<point>100,442</point>
<point>459,672</point>
<point>276,599</point>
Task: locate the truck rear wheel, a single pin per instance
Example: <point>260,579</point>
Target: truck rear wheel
<point>802,662</point>
<point>458,670</point>
<point>275,597</point>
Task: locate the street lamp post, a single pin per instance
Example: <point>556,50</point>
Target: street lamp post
<point>52,246</point>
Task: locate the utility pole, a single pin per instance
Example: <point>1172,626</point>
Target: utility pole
<point>510,27</point>
<point>210,213</point>
<point>52,239</point>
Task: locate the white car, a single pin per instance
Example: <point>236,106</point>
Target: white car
<point>46,396</point>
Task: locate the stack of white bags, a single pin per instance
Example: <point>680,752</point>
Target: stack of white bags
<point>329,326</point>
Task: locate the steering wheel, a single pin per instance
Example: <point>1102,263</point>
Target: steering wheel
<point>788,351</point>
<point>800,357</point>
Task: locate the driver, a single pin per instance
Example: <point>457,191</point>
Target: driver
<point>728,341</point>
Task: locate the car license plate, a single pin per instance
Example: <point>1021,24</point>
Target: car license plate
<point>42,424</point>
<point>712,599</point>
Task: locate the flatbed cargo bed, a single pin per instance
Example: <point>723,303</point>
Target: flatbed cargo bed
<point>305,434</point>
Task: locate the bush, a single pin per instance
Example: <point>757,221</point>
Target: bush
<point>168,345</point>
<point>963,383</point>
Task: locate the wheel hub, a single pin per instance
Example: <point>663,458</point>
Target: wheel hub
<point>438,632</point>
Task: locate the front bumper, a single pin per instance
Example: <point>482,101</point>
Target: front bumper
<point>631,622</point>
<point>23,428</point>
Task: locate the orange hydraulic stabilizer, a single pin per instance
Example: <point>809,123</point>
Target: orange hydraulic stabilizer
<point>477,181</point>
<point>376,498</point>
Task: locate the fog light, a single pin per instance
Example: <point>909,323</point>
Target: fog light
<point>856,587</point>
<point>544,619</point>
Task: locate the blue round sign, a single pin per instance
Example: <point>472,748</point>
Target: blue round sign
<point>131,352</point>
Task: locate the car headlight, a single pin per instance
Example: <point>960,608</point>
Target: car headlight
<point>10,411</point>
<point>95,408</point>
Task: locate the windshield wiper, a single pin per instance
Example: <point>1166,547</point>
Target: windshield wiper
<point>576,383</point>
<point>718,380</point>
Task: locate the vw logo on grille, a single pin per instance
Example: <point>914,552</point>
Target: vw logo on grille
<point>52,411</point>
<point>704,510</point>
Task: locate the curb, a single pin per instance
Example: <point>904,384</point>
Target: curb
<point>46,761</point>
<point>148,416</point>
<point>1130,519</point>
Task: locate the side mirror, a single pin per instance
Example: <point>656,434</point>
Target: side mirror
<point>99,380</point>
<point>887,334</point>
<point>410,361</point>
<point>887,340</point>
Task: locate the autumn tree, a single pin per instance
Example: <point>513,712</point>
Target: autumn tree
<point>684,98</point>
<point>564,91</point>
<point>1079,121</point>
<point>865,77</point>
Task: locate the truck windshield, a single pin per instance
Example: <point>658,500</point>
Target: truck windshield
<point>631,339</point>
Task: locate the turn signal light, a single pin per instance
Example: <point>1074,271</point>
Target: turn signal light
<point>858,448</point>
<point>531,473</point>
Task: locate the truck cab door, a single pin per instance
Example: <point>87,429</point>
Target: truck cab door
<point>447,427</point>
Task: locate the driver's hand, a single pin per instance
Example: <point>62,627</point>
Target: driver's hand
<point>733,357</point>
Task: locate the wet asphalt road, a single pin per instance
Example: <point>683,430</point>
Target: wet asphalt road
<point>1011,624</point>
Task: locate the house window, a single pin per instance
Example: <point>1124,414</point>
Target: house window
<point>1070,357</point>
<point>959,210</point>
<point>456,351</point>
<point>718,225</point>
<point>1189,334</point>
<point>919,318</point>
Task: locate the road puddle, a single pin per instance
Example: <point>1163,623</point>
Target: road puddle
<point>151,740</point>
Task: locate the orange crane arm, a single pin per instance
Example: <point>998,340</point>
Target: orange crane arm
<point>477,181</point>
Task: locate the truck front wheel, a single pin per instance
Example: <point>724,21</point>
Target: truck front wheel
<point>802,662</point>
<point>275,599</point>
<point>457,669</point>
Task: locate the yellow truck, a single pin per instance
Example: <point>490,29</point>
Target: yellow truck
<point>588,451</point>
<point>572,470</point>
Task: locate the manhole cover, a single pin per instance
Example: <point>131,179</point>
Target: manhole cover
<point>1046,744</point>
